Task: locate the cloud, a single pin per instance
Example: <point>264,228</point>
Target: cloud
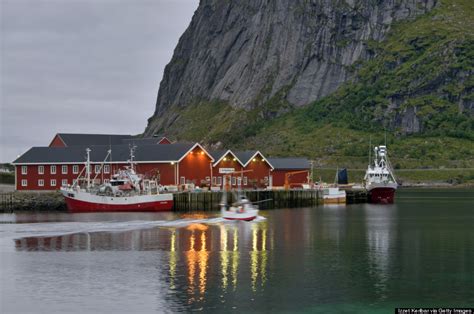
<point>82,66</point>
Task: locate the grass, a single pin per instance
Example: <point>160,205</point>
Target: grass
<point>425,65</point>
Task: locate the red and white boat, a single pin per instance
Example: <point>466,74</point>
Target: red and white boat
<point>379,179</point>
<point>126,191</point>
<point>242,209</point>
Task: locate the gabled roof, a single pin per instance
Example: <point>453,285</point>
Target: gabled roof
<point>120,153</point>
<point>290,163</point>
<point>246,156</point>
<point>220,154</point>
<point>77,139</point>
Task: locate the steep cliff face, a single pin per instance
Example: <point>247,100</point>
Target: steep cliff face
<point>244,53</point>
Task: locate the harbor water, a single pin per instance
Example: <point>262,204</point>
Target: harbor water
<point>418,252</point>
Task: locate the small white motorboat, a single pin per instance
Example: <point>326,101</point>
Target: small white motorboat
<point>243,209</point>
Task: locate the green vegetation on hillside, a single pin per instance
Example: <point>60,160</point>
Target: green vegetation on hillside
<point>422,73</point>
<point>425,68</point>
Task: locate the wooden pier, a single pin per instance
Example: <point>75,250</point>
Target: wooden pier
<point>208,201</point>
<point>185,201</point>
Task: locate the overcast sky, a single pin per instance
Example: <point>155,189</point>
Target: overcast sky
<point>82,66</point>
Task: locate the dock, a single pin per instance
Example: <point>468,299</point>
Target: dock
<point>184,201</point>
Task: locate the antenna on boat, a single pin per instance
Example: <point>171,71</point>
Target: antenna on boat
<point>370,149</point>
<point>88,167</point>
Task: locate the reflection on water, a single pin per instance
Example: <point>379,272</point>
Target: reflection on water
<point>385,256</point>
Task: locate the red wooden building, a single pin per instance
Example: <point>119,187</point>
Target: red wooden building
<point>48,168</point>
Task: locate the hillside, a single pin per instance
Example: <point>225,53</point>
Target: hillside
<point>413,81</point>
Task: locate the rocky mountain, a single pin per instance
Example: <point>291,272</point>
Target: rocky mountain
<point>268,72</point>
<point>245,52</point>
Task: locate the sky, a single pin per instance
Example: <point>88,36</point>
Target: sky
<point>82,66</point>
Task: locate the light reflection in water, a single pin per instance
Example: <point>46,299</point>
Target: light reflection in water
<point>173,259</point>
<point>258,258</point>
<point>199,257</point>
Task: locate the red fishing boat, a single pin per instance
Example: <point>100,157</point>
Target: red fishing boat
<point>379,178</point>
<point>125,191</point>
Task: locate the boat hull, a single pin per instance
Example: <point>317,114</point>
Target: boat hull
<point>241,218</point>
<point>233,214</point>
<point>80,202</point>
<point>382,195</point>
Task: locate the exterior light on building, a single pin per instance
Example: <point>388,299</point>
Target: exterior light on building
<point>202,153</point>
<point>225,159</point>
<point>233,159</point>
<point>255,159</point>
<point>172,163</point>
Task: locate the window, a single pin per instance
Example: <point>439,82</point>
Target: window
<point>40,169</point>
<point>53,169</point>
<point>239,181</point>
<point>64,169</point>
<point>106,181</point>
<point>245,181</point>
<point>64,182</point>
<point>106,168</point>
<point>208,179</point>
<point>234,181</point>
<point>97,169</point>
<point>265,179</point>
<point>219,180</point>
<point>214,181</point>
<point>182,180</point>
<point>52,182</point>
<point>24,182</point>
<point>24,169</point>
<point>40,182</point>
<point>75,169</point>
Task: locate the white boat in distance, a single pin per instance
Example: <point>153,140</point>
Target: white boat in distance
<point>242,209</point>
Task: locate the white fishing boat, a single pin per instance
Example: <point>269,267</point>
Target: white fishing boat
<point>334,196</point>
<point>242,209</point>
<point>126,191</point>
<point>379,179</point>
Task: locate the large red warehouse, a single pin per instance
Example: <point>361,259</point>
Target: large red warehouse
<point>173,164</point>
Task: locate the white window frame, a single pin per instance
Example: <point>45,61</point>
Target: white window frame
<point>24,169</point>
<point>182,180</point>
<point>97,169</point>
<point>40,182</point>
<point>246,182</point>
<point>64,182</point>
<point>106,168</point>
<point>24,182</point>
<point>234,181</point>
<point>214,181</point>
<point>52,169</point>
<point>75,169</point>
<point>219,180</point>
<point>52,182</point>
<point>208,179</point>
<point>40,169</point>
<point>62,169</point>
<point>239,181</point>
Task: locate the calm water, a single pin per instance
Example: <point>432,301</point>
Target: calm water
<point>357,258</point>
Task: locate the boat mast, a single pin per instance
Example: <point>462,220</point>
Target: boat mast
<point>370,149</point>
<point>88,168</point>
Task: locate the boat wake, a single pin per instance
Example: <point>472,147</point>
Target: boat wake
<point>18,231</point>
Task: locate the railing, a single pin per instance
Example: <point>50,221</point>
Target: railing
<point>7,200</point>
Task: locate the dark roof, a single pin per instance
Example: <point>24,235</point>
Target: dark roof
<point>244,156</point>
<point>217,154</point>
<point>170,152</point>
<point>142,141</point>
<point>290,163</point>
<point>92,139</point>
